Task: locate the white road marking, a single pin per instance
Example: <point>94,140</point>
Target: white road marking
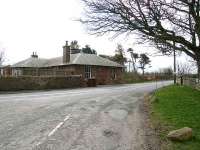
<point>54,130</point>
<point>58,126</point>
<point>66,118</point>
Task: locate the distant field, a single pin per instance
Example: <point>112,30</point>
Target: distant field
<point>175,107</point>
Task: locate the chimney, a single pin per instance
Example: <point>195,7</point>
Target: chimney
<point>34,55</point>
<point>66,53</point>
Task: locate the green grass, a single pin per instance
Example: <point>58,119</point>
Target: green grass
<point>175,107</point>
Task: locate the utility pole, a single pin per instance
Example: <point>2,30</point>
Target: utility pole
<point>174,44</point>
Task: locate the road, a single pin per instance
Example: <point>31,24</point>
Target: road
<point>101,118</point>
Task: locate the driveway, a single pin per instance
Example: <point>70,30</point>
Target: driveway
<point>101,118</point>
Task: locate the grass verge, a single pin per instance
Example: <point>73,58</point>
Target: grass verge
<point>174,107</point>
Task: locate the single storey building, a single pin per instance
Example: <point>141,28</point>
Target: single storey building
<point>73,62</point>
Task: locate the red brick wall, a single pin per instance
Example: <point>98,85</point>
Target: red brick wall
<point>103,75</point>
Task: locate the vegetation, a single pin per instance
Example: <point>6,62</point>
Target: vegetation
<point>88,50</point>
<point>175,107</point>
<point>74,45</point>
<point>167,72</point>
<point>159,22</point>
<point>185,68</point>
<point>134,57</point>
<point>143,62</point>
<point>119,56</point>
<point>130,77</point>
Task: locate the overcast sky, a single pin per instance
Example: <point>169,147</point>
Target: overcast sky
<point>44,26</point>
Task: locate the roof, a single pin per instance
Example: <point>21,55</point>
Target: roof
<point>4,66</point>
<point>31,62</point>
<point>75,59</point>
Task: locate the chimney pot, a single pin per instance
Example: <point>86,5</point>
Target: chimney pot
<point>34,55</point>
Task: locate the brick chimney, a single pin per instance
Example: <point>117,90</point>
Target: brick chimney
<point>66,53</point>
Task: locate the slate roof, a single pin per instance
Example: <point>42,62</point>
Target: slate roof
<point>75,59</point>
<point>31,62</point>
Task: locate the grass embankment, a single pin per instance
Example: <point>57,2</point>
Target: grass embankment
<point>175,107</point>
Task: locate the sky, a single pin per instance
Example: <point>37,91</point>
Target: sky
<point>44,26</point>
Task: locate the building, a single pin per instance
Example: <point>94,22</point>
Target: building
<point>1,70</point>
<point>5,71</point>
<point>73,62</point>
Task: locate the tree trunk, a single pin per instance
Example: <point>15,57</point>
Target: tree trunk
<point>198,69</point>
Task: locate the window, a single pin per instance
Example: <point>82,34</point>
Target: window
<point>113,74</point>
<point>88,72</point>
<point>16,72</point>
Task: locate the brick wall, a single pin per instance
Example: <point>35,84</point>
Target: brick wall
<point>39,83</point>
<point>105,75</point>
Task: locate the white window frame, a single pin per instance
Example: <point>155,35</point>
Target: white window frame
<point>88,72</point>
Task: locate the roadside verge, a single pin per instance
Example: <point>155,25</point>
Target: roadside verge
<point>175,107</point>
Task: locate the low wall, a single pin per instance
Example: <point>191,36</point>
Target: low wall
<point>39,83</point>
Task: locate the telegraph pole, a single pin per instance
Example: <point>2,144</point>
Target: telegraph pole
<point>174,44</point>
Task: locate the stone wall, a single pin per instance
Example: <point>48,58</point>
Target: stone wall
<point>40,83</point>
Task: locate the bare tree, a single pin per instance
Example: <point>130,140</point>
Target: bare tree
<point>160,22</point>
<point>143,62</point>
<point>134,57</point>
<point>185,68</point>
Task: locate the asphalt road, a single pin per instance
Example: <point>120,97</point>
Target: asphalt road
<point>101,118</point>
